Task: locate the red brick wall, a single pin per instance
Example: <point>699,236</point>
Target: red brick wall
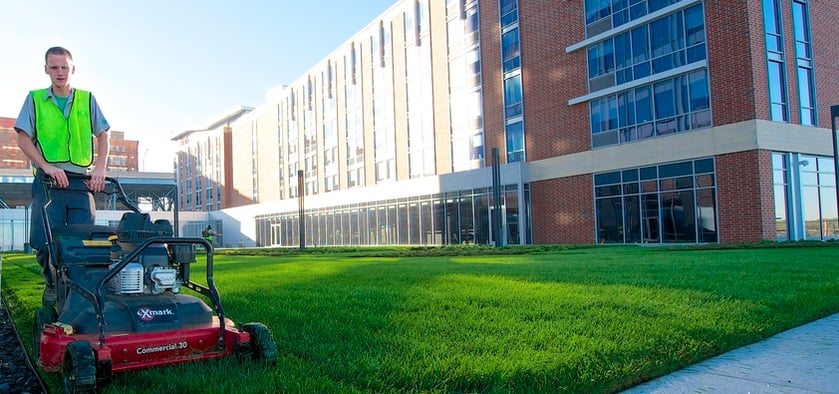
<point>736,60</point>
<point>824,23</point>
<point>491,80</point>
<point>745,197</point>
<point>563,211</point>
<point>551,77</point>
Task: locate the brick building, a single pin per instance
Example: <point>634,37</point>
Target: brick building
<point>10,155</point>
<point>123,155</point>
<point>616,121</point>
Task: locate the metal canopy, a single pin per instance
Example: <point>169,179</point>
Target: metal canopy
<point>156,188</point>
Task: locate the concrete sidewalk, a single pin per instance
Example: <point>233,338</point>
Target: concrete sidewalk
<point>801,360</point>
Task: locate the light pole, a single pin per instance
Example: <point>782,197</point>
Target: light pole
<point>301,212</point>
<point>834,113</point>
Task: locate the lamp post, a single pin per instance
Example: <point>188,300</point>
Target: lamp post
<point>301,213</point>
<point>497,222</point>
<point>834,113</point>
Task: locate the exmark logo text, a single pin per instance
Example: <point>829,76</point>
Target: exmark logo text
<point>146,314</point>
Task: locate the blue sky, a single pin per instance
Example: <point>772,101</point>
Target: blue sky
<point>161,67</point>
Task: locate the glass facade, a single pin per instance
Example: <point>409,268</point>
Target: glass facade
<point>614,13</point>
<point>354,118</point>
<point>454,218</point>
<point>384,133</point>
<point>292,162</point>
<point>329,108</point>
<point>465,91</point>
<point>668,203</point>
<point>511,66</point>
<point>804,62</point>
<point>672,41</point>
<point>805,197</point>
<point>281,190</point>
<point>668,105</point>
<point>773,33</point>
<point>419,100</point>
<point>201,165</point>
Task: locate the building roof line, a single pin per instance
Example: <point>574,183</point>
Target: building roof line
<point>224,120</point>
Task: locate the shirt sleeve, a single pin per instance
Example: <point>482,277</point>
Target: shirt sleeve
<point>26,119</point>
<point>97,119</point>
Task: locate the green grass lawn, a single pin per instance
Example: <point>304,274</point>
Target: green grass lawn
<point>593,320</point>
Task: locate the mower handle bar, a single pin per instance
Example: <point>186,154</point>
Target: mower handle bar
<point>119,191</point>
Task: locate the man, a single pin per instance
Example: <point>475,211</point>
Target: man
<point>55,130</point>
<point>208,233</point>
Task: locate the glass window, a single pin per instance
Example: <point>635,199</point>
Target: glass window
<point>601,59</point>
<point>699,95</point>
<point>665,99</point>
<point>604,114</point>
<point>694,25</point>
<point>515,142</point>
<point>775,63</point>
<point>643,104</point>
<point>512,96</point>
<point>626,108</point>
<point>511,50</point>
<point>623,50</point>
<point>509,12</point>
<point>656,5</point>
<point>679,211</point>
<point>667,35</point>
<point>607,178</point>
<point>676,169</point>
<point>777,91</point>
<point>597,9</point>
<point>640,45</point>
<point>806,92</point>
<point>610,220</point>
<point>801,29</point>
<point>664,44</point>
<point>771,23</point>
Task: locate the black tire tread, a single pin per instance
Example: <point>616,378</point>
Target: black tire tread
<point>262,342</point>
<point>79,368</point>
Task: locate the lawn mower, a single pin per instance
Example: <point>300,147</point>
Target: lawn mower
<point>120,307</point>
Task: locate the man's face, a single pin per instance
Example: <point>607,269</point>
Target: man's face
<point>59,68</point>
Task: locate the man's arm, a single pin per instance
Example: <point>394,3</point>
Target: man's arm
<point>103,146</point>
<point>100,167</point>
<point>28,147</point>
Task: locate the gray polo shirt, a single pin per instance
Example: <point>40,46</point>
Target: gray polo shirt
<point>26,121</point>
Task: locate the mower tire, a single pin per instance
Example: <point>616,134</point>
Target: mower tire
<point>43,315</point>
<point>79,368</point>
<point>262,342</point>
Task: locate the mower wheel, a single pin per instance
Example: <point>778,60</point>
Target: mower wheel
<point>43,315</point>
<point>262,342</point>
<point>79,368</point>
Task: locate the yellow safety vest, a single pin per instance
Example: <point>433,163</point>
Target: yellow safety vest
<point>61,139</point>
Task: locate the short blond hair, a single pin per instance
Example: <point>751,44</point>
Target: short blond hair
<point>57,51</point>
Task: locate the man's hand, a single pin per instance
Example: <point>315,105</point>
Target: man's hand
<point>96,183</point>
<point>58,176</point>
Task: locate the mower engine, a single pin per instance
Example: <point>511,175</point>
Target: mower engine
<point>135,280</point>
<point>160,269</point>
